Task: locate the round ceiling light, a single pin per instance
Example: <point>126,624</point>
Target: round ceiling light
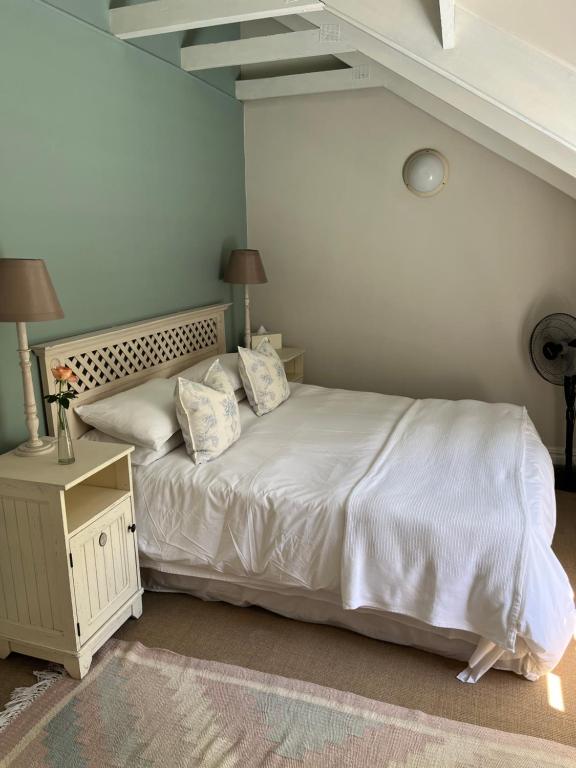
<point>425,172</point>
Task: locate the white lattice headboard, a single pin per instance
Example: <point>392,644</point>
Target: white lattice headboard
<point>109,361</point>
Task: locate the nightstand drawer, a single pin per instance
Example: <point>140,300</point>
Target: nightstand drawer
<point>104,568</point>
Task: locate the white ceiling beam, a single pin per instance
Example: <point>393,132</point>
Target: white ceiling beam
<point>163,16</point>
<point>325,40</point>
<point>448,22</point>
<point>349,79</point>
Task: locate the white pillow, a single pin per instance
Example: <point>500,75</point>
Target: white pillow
<point>264,377</point>
<point>140,456</point>
<point>208,414</point>
<point>229,363</point>
<point>144,415</point>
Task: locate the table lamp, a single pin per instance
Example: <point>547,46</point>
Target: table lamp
<point>245,268</point>
<point>28,296</point>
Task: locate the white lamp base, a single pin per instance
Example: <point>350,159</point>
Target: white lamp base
<point>35,445</point>
<point>46,444</point>
<point>247,325</point>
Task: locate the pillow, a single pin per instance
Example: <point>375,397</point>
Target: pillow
<point>263,377</point>
<point>229,363</point>
<point>140,457</point>
<point>208,414</point>
<point>144,415</point>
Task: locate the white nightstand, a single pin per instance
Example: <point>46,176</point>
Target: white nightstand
<point>293,360</point>
<point>69,574</point>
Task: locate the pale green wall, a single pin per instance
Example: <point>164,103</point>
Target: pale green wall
<point>123,172</point>
<point>165,46</point>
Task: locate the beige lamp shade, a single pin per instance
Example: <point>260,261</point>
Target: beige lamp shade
<point>26,292</point>
<point>245,267</point>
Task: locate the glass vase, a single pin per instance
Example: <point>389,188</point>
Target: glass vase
<point>65,447</point>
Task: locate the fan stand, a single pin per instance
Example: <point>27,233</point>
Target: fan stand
<point>565,477</point>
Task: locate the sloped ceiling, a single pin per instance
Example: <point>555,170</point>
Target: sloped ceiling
<point>494,77</point>
<point>501,72</point>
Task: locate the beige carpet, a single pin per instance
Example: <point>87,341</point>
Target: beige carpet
<point>340,659</point>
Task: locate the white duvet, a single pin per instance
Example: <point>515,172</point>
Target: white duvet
<point>437,510</point>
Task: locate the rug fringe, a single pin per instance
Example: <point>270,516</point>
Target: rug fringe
<point>21,698</point>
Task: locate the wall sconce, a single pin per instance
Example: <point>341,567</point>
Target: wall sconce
<point>425,173</point>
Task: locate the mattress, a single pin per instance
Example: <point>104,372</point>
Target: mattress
<point>269,516</point>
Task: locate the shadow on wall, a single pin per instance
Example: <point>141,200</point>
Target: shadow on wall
<point>122,3</point>
<point>431,9</point>
<point>234,318</point>
<point>10,396</point>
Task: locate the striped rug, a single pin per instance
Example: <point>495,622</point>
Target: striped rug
<point>148,708</point>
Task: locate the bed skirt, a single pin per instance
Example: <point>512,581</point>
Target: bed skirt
<point>479,654</point>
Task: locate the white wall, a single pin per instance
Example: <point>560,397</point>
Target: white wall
<point>390,292</point>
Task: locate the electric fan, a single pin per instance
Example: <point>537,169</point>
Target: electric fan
<point>553,353</point>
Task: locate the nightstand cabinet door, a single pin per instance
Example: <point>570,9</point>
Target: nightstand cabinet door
<point>104,568</point>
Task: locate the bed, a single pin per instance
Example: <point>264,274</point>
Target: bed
<point>425,523</point>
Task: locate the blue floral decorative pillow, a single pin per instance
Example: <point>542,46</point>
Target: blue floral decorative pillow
<point>208,414</point>
<point>263,376</point>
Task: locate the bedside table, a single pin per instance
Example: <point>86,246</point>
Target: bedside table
<point>69,574</point>
<point>293,360</point>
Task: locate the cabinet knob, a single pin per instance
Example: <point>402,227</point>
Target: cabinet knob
<point>102,539</point>
<point>132,527</point>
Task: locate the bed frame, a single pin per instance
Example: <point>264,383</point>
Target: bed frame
<point>116,359</point>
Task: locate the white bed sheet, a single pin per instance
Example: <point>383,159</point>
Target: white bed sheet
<point>270,513</point>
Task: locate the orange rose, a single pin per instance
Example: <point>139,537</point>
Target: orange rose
<point>63,373</point>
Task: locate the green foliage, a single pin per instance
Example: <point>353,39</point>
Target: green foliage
<point>62,398</point>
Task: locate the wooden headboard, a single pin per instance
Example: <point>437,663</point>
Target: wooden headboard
<point>115,359</point>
